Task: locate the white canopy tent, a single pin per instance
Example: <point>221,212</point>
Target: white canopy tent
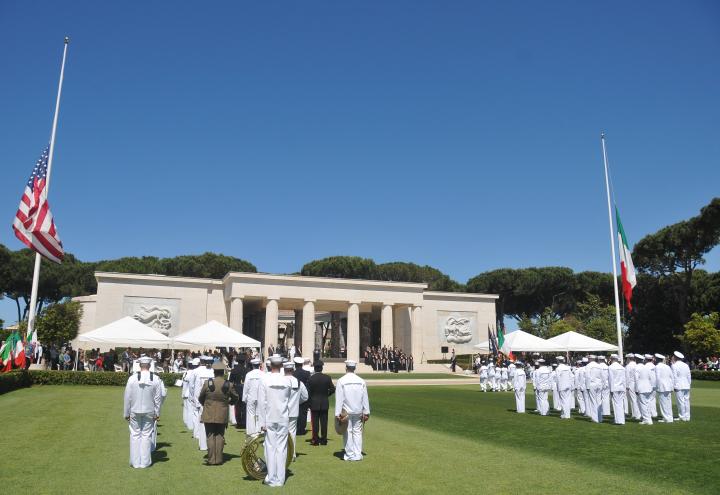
<point>573,341</point>
<point>519,341</point>
<point>125,332</point>
<point>482,347</point>
<point>213,334</point>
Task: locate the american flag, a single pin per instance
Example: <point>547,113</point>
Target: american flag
<point>33,223</point>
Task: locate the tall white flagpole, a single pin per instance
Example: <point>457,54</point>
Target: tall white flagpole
<point>31,333</point>
<point>612,250</point>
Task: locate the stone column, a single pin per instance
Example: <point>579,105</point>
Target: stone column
<point>386,325</point>
<point>236,314</point>
<point>365,331</point>
<point>308,329</point>
<point>271,324</point>
<point>353,331</point>
<point>297,329</point>
<point>416,333</point>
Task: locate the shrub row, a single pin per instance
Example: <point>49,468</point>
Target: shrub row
<point>705,375</point>
<point>19,379</point>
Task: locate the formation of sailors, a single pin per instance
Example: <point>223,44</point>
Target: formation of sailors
<point>497,378</point>
<point>597,389</point>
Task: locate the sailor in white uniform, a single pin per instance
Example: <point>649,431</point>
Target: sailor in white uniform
<point>606,386</point>
<point>511,375</point>
<point>273,417</point>
<point>681,383</point>
<point>519,384</point>
<point>664,385</point>
<point>352,397</point>
<point>298,394</point>
<point>202,374</point>
<point>644,388</point>
<point>653,379</point>
<point>564,383</point>
<point>250,397</point>
<point>594,382</point>
<point>632,398</point>
<point>616,376</point>
<point>503,378</point>
<point>163,395</point>
<point>491,377</point>
<point>187,378</point>
<point>543,380</point>
<point>483,372</point>
<point>141,409</point>
<point>556,405</point>
<point>580,385</point>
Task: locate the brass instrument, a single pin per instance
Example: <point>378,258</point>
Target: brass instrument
<point>253,464</point>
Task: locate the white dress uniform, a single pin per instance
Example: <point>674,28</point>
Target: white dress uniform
<point>163,394</point>
<point>605,390</point>
<point>519,384</point>
<point>580,388</point>
<point>533,380</point>
<point>681,383</point>
<point>644,388</point>
<point>250,398</point>
<point>631,391</point>
<point>653,395</point>
<point>503,379</point>
<point>185,393</point>
<point>511,375</point>
<point>616,374</point>
<point>664,385</point>
<point>543,380</point>
<point>143,398</point>
<point>202,375</point>
<point>351,395</point>
<point>556,405</point>
<point>594,379</point>
<point>491,377</point>
<point>483,372</point>
<point>298,394</point>
<point>273,415</point>
<point>564,379</point>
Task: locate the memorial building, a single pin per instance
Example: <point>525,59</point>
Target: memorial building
<point>344,316</point>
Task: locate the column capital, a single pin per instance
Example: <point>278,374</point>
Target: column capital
<point>272,298</point>
<point>307,300</point>
<point>232,298</point>
<point>355,301</point>
<point>388,304</point>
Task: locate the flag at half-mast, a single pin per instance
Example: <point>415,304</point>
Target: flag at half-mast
<point>34,224</point>
<point>627,269</point>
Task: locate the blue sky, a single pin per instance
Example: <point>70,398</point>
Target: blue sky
<point>464,135</point>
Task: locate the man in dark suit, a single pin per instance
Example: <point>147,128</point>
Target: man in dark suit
<point>237,377</point>
<point>320,388</point>
<point>303,377</point>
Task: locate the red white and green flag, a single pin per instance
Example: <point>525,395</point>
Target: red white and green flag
<point>7,350</point>
<point>627,269</point>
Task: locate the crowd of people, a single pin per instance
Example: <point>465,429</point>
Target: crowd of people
<point>597,386</point>
<point>270,398</point>
<point>389,359</point>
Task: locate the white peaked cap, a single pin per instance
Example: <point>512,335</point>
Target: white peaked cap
<point>679,355</point>
<point>560,358</point>
<point>145,360</point>
<point>299,360</point>
<point>275,359</point>
<point>630,355</point>
<point>584,360</point>
<point>614,356</point>
<point>350,363</point>
<point>195,361</point>
<point>255,361</point>
<point>648,356</point>
<point>288,365</point>
<point>660,356</point>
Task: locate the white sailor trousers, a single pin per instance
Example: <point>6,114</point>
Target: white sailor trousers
<point>185,412</point>
<point>594,405</point>
<point>644,399</point>
<point>565,397</point>
<point>141,429</point>
<point>634,404</point>
<point>542,402</point>
<point>200,430</point>
<point>580,400</point>
<point>292,431</point>
<point>586,399</point>
<point>682,397</point>
<point>665,400</point>
<point>483,384</point>
<point>276,444</point>
<point>618,402</point>
<point>606,402</point>
<point>352,438</point>
<point>653,404</point>
<point>251,425</point>
<point>231,415</point>
<point>520,400</point>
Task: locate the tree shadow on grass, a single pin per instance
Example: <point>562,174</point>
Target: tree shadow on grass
<point>159,456</point>
<point>163,444</point>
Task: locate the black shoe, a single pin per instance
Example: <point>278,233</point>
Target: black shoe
<point>323,442</point>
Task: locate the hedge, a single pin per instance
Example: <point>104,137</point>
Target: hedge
<point>20,379</point>
<point>705,375</point>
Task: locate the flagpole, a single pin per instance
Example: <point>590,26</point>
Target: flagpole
<point>31,333</point>
<point>612,250</point>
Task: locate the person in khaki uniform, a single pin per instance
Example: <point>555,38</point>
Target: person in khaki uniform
<point>216,396</point>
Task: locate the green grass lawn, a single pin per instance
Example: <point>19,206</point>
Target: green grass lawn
<point>72,439</point>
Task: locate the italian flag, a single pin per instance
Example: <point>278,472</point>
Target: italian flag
<point>6,352</point>
<point>19,353</point>
<point>626,264</point>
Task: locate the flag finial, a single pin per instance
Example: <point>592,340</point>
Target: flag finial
<point>67,40</point>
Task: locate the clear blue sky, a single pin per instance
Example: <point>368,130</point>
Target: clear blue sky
<point>463,135</point>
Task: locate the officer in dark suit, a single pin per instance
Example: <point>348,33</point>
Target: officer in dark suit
<point>215,396</point>
<point>303,376</point>
<point>320,388</point>
<point>237,377</point>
